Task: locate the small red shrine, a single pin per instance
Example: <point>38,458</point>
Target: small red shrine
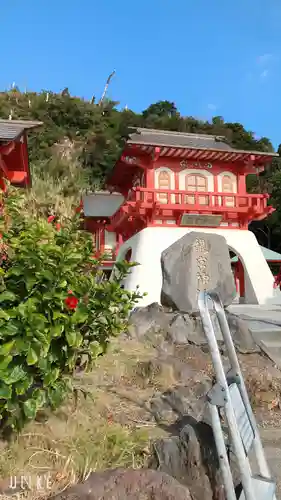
<point>166,184</point>
<point>14,164</point>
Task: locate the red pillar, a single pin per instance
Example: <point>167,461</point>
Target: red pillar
<point>241,188</point>
<point>241,278</point>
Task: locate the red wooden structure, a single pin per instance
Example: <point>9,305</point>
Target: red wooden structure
<point>179,179</point>
<point>14,164</point>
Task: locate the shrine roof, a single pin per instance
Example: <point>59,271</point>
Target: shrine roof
<point>11,129</point>
<point>149,138</point>
<point>178,139</point>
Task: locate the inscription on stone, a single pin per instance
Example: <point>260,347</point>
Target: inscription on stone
<point>203,277</point>
<point>198,261</point>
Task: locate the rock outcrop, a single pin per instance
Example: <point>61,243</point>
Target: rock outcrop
<point>191,458</point>
<point>127,484</point>
<point>176,328</point>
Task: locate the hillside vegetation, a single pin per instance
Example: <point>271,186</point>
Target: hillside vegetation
<point>80,142</point>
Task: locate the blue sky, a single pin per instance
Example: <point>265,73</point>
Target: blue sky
<point>217,57</point>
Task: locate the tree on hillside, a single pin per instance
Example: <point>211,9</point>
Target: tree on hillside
<point>161,109</point>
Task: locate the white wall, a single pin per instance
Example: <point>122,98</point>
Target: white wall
<point>149,243</point>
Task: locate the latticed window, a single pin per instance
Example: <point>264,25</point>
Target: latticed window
<point>228,187</point>
<point>164,183</point>
<point>227,184</point>
<point>196,182</point>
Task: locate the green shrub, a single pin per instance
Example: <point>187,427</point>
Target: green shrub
<point>55,312</point>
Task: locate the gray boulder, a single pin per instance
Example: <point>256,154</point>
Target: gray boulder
<point>146,320</point>
<point>182,400</point>
<point>122,484</point>
<point>184,329</point>
<point>191,458</point>
<point>197,261</point>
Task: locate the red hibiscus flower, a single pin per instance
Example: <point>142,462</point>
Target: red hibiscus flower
<point>79,208</point>
<point>58,227</point>
<point>51,218</point>
<point>71,302</point>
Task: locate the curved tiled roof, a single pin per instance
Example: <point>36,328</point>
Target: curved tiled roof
<point>183,140</point>
<point>11,129</point>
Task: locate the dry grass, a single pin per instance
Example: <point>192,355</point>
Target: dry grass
<point>110,428</point>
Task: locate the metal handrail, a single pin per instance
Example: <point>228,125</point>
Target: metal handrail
<point>204,299</point>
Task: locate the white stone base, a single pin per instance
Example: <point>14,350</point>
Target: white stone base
<point>149,243</point>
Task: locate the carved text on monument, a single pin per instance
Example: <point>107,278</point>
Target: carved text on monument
<point>203,277</point>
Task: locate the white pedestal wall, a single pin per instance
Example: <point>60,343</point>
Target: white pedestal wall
<point>149,243</point>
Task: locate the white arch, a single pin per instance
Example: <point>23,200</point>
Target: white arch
<point>233,178</point>
<point>164,169</point>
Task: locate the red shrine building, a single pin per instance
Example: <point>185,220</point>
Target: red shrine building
<point>167,184</point>
<point>14,164</point>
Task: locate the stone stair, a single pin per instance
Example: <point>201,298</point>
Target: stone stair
<point>264,322</point>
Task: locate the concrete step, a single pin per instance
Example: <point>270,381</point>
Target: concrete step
<point>268,338</point>
<point>269,315</point>
<point>264,323</point>
<point>272,349</point>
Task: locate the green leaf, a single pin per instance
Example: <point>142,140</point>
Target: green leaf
<point>74,257</point>
<point>39,396</point>
<point>16,271</point>
<point>4,362</point>
<point>59,314</point>
<point>71,337</point>
<point>96,349</point>
<point>5,391</point>
<point>51,377</point>
<point>14,376</point>
<point>21,345</point>
<point>30,408</point>
<point>56,330</point>
<point>30,283</point>
<point>6,348</point>
<point>45,273</point>
<point>9,329</point>
<point>32,357</point>
<point>4,315</point>
<point>38,319</point>
<point>56,394</point>
<point>7,296</point>
<point>43,364</point>
<point>23,385</point>
<point>79,317</point>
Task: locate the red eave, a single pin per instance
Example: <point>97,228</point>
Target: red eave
<point>139,154</point>
<point>204,154</point>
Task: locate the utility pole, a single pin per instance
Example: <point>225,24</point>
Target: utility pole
<point>106,87</point>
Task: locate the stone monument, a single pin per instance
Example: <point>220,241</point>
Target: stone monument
<point>196,262</point>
